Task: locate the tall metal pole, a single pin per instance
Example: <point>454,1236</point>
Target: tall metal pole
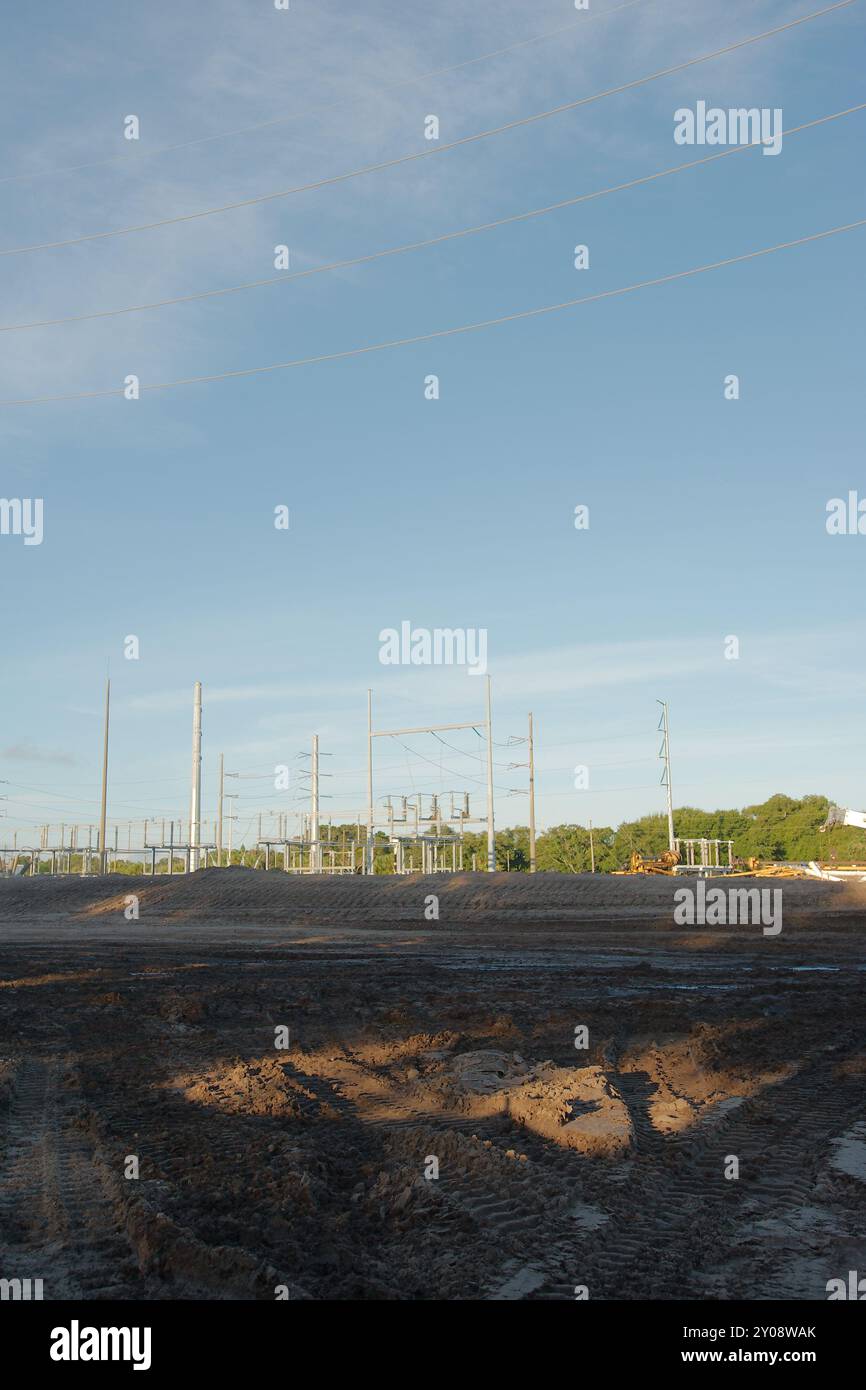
<point>314,807</point>
<point>102,847</point>
<point>531,800</point>
<point>665,752</point>
<point>491,833</point>
<point>195,790</point>
<point>591,850</point>
<point>220,817</point>
<point>369,854</point>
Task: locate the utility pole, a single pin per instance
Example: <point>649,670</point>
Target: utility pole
<point>220,817</point>
<point>102,847</point>
<point>665,752</point>
<point>195,791</point>
<point>231,796</point>
<point>491,832</point>
<point>314,807</point>
<point>591,850</point>
<point>531,800</point>
<point>369,854</point>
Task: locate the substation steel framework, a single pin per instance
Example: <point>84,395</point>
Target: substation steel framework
<point>486,723</point>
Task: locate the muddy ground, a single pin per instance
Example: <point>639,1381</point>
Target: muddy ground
<point>419,1047</point>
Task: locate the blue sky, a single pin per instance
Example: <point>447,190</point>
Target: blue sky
<point>707,516</point>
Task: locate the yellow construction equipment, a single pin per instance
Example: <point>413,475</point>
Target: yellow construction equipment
<point>664,864</point>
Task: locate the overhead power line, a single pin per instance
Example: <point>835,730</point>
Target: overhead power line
<point>444,332</point>
<point>428,153</point>
<point>466,776</point>
<point>430,241</point>
<point>328,105</point>
<point>465,753</point>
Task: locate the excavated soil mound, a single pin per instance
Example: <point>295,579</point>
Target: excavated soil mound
<point>462,899</point>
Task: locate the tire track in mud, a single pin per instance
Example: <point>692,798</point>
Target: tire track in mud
<point>666,1227</point>
<point>57,1222</point>
<point>167,1227</point>
<point>490,1182</point>
<point>223,1195</point>
<point>477,1200</point>
<point>666,1209</point>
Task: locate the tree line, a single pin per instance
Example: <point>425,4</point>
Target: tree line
<point>783,828</point>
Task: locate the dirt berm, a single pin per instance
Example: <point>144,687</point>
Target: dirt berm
<point>463,900</point>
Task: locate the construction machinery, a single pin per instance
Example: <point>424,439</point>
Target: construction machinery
<point>706,858</point>
<point>837,817</point>
<point>665,863</point>
<point>702,858</point>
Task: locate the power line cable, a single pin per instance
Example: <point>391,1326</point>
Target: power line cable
<point>467,776</point>
<point>444,332</point>
<point>433,150</point>
<point>353,261</point>
<point>464,752</point>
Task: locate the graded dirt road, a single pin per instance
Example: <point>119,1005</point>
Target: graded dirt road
<point>549,1088</point>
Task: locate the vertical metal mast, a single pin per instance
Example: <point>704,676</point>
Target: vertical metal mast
<point>531,800</point>
<point>220,817</point>
<point>491,832</point>
<point>102,847</point>
<point>315,864</point>
<point>195,790</point>
<point>665,752</point>
<point>368,857</point>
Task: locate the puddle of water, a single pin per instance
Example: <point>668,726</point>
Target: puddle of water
<point>588,1217</point>
<point>707,987</point>
<point>799,969</point>
<point>850,1156</point>
<point>523,1282</point>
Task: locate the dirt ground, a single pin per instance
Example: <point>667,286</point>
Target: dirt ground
<point>326,1094</point>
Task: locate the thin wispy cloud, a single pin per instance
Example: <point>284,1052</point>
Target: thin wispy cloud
<point>238,69</point>
<point>25,752</point>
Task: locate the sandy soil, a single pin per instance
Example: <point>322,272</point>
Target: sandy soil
<point>429,1127</point>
